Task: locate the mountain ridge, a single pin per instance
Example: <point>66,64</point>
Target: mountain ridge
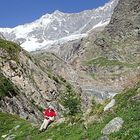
<point>41,31</point>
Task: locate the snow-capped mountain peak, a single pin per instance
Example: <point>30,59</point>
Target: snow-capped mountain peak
<point>57,26</point>
<point>57,12</point>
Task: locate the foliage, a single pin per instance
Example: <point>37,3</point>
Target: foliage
<point>62,79</point>
<point>12,49</point>
<point>70,100</point>
<point>101,61</point>
<point>127,109</point>
<point>56,79</point>
<point>6,87</point>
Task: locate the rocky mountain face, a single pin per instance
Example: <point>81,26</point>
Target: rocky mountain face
<point>119,43</point>
<point>125,24</point>
<point>125,38</point>
<point>102,63</point>
<point>58,27</point>
<point>26,88</point>
<point>37,83</point>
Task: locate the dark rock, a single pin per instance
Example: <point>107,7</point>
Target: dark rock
<point>125,19</point>
<point>101,42</point>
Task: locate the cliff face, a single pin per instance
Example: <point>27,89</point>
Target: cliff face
<point>13,101</point>
<point>36,88</point>
<point>125,20</point>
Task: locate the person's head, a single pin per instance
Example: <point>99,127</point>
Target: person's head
<point>51,107</point>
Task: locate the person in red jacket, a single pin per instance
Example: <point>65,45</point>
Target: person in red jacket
<point>49,117</point>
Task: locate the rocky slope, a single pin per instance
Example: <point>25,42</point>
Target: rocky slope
<point>26,88</point>
<point>129,21</point>
<point>103,63</point>
<point>121,121</point>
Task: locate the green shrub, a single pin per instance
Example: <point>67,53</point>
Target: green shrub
<point>56,79</point>
<point>12,49</point>
<point>96,108</point>
<point>70,100</point>
<point>62,79</point>
<point>6,87</point>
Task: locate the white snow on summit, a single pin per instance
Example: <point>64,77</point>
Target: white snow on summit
<point>59,27</point>
<point>32,45</point>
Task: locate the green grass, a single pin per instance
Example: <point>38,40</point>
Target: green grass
<point>11,48</point>
<point>129,110</point>
<point>70,100</point>
<point>8,124</point>
<point>101,61</point>
<point>126,107</point>
<point>57,132</point>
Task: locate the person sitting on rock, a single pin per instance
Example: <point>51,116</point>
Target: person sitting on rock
<point>49,117</point>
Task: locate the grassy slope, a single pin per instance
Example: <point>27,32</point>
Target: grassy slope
<point>125,107</point>
<point>12,48</point>
<point>104,62</point>
<point>112,68</point>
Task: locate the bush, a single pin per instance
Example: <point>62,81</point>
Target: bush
<point>12,49</point>
<point>6,87</point>
<point>70,100</point>
<point>55,79</point>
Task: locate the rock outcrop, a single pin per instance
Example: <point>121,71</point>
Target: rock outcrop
<point>113,126</point>
<point>125,20</point>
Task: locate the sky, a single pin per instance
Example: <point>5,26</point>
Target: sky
<point>16,12</point>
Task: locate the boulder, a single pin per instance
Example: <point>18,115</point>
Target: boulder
<point>113,126</point>
<point>104,138</point>
<point>109,105</point>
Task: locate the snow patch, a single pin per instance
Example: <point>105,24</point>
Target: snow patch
<point>5,30</point>
<point>55,28</point>
<point>100,24</point>
<point>32,44</point>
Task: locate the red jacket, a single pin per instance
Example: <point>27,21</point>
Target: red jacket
<point>49,113</point>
